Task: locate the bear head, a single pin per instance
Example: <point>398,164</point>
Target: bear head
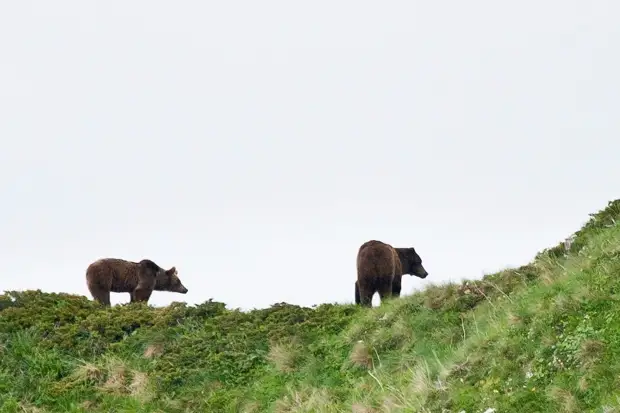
<point>411,262</point>
<point>169,281</point>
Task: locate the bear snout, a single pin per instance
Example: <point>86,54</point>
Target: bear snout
<point>420,272</point>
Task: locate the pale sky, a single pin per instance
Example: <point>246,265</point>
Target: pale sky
<point>256,145</point>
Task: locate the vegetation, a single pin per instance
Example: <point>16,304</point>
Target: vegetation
<point>544,337</point>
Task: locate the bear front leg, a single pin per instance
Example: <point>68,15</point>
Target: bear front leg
<point>396,287</point>
<point>132,296</point>
<point>357,293</point>
<point>142,294</point>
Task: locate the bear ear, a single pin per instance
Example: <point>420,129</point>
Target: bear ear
<point>172,270</point>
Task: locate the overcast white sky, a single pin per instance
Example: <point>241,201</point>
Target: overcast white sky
<point>256,145</point>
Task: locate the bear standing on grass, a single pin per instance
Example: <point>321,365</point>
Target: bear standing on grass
<point>380,268</point>
<point>139,279</point>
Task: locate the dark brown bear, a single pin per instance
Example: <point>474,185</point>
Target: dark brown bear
<point>139,279</point>
<point>380,268</point>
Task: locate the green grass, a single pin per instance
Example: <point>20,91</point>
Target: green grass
<point>544,337</point>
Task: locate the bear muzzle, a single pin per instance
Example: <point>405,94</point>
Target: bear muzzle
<point>420,272</point>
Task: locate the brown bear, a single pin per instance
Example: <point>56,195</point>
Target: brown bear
<point>380,268</point>
<point>139,279</point>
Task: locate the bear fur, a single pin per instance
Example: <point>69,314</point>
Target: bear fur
<point>380,268</point>
<point>139,279</point>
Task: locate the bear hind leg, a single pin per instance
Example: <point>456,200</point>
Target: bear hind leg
<point>366,291</point>
<point>100,295</point>
<point>385,292</point>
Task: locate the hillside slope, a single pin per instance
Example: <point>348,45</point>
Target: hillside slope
<point>541,338</point>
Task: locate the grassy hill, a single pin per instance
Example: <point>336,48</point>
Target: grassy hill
<point>544,337</point>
